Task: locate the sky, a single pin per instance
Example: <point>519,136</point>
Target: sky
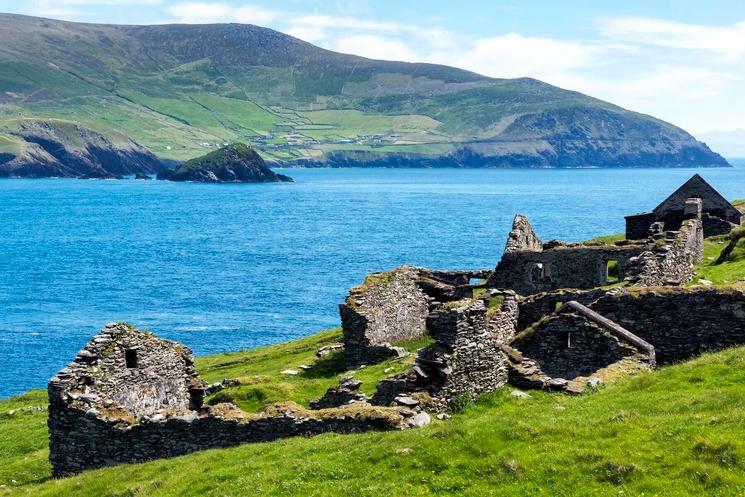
<point>682,61</point>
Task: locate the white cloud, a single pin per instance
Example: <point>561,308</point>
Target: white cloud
<point>122,3</point>
<point>347,23</point>
<point>726,41</point>
<point>206,13</point>
<point>374,47</point>
<point>514,55</point>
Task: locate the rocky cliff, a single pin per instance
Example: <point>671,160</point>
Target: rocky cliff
<point>66,150</point>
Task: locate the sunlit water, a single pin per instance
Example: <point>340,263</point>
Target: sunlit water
<point>226,267</point>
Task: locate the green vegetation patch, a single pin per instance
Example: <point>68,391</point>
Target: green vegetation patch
<point>607,239</point>
<point>729,272</point>
<point>264,372</point>
<point>674,431</point>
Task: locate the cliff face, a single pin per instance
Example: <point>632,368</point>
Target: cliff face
<point>66,150</point>
<point>236,163</point>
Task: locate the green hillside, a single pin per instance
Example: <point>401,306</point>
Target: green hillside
<point>181,89</point>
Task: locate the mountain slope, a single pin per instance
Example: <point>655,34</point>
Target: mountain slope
<point>180,88</point>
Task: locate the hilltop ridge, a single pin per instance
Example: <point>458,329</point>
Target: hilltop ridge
<point>181,89</point>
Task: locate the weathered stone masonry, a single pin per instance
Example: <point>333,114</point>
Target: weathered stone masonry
<point>393,306</point>
<point>665,258</point>
<point>679,322</point>
<point>131,397</point>
<point>466,358</point>
<point>386,308</point>
<point>573,342</point>
<point>719,216</point>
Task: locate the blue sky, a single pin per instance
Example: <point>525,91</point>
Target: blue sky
<point>682,61</point>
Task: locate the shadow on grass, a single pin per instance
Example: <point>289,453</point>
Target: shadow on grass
<point>327,367</point>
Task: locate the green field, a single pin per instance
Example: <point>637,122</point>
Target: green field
<point>674,431</point>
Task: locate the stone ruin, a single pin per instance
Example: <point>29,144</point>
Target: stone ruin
<point>544,318</point>
<point>719,216</point>
<point>572,344</point>
<point>130,397</point>
<point>394,306</point>
<point>555,327</point>
<point>662,258</point>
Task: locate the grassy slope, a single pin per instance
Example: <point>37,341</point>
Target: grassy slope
<point>674,431</point>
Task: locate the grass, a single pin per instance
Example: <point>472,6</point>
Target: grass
<point>608,239</point>
<point>674,431</point>
<point>262,380</point>
<point>729,272</point>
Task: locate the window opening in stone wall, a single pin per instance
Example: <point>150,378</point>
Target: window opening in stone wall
<point>612,274</point>
<point>565,339</point>
<point>541,273</point>
<point>130,357</point>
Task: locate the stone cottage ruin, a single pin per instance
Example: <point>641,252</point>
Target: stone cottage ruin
<point>551,315</point>
<point>130,396</point>
<point>719,216</point>
<point>548,315</point>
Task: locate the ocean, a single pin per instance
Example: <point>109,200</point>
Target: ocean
<point>228,267</point>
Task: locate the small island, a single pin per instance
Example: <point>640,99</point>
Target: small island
<point>235,163</point>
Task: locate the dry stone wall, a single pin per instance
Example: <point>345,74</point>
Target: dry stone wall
<point>386,308</point>
<point>130,396</point>
<point>567,345</point>
<point>84,440</point>
<point>672,259</point>
<point>529,272</point>
<point>679,322</point>
<point>466,359</point>
<point>664,259</point>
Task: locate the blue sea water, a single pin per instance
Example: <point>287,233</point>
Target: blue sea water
<point>227,267</point>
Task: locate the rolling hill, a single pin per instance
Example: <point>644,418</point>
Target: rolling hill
<point>181,89</point>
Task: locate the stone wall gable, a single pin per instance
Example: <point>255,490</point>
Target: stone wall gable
<point>109,407</point>
<point>697,187</point>
<point>522,236</point>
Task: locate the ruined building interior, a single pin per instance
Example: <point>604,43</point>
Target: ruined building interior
<point>555,316</point>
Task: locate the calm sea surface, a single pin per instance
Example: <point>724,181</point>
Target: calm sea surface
<point>226,267</point>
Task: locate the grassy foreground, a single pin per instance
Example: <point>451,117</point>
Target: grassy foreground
<point>675,431</point>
